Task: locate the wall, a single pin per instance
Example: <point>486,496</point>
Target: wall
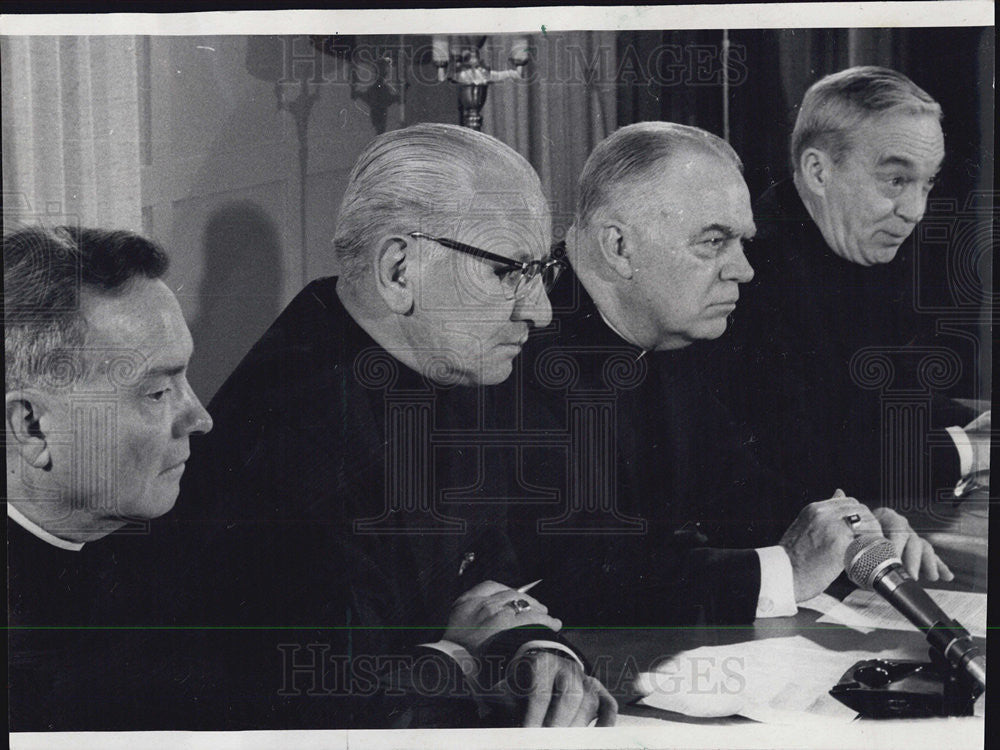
<point>220,180</point>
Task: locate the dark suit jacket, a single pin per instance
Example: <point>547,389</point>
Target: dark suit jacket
<point>320,502</point>
<point>657,505</point>
<point>82,655</point>
<point>827,363</point>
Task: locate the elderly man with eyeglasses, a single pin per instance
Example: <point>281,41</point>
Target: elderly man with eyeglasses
<point>348,507</point>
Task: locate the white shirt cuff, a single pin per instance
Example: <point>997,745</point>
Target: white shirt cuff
<point>777,586</point>
<point>964,448</point>
<point>464,659</point>
<point>552,646</point>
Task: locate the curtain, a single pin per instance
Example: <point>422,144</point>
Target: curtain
<point>72,149</point>
<point>556,117</point>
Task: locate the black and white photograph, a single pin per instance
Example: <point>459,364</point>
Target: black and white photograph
<point>570,377</point>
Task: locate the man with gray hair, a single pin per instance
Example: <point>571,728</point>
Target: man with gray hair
<point>340,439</point>
<point>687,533</point>
<point>98,419</point>
<point>834,298</point>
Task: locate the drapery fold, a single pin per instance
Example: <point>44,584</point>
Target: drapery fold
<point>564,108</point>
<point>71,130</point>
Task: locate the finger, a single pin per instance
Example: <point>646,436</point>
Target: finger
<point>900,541</point>
<point>539,698</point>
<point>944,571</point>
<point>607,711</point>
<point>911,556</point>
<point>869,526</point>
<point>848,520</point>
<point>547,621</point>
<point>486,588</point>
<point>506,620</point>
<point>839,494</point>
<point>833,505</point>
<point>536,605</point>
<point>496,603</point>
<point>838,508</point>
<point>892,522</point>
<point>868,523</point>
<point>567,694</point>
<point>588,705</point>
<point>928,562</point>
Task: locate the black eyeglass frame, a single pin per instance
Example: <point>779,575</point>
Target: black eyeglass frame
<point>529,269</point>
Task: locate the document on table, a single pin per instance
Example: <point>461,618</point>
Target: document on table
<point>776,680</point>
<point>867,611</point>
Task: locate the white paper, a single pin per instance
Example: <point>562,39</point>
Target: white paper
<point>777,680</point>
<point>867,610</point>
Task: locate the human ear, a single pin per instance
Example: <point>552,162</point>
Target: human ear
<point>615,247</point>
<point>24,411</point>
<point>815,166</point>
<point>393,272</point>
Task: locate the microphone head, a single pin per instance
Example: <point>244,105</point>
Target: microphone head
<point>866,556</point>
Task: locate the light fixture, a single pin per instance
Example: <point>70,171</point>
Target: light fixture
<point>458,59</point>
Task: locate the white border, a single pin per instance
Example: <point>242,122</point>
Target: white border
<point>930,734</point>
<point>916,734</point>
<point>501,20</point>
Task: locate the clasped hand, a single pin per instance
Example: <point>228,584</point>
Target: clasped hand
<point>542,688</point>
<point>819,536</point>
<point>484,610</point>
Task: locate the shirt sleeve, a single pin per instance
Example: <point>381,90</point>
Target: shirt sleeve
<point>457,653</point>
<point>550,646</point>
<point>964,448</point>
<point>777,587</point>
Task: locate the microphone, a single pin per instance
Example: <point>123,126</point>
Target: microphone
<point>871,563</point>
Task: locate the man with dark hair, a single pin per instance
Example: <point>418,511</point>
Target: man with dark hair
<point>98,407</point>
<point>98,416</point>
<point>840,384</point>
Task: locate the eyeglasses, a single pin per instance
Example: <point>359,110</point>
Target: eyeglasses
<point>516,276</point>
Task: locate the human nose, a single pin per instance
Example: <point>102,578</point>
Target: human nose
<point>534,307</point>
<point>738,268</point>
<point>193,419</point>
<point>912,204</point>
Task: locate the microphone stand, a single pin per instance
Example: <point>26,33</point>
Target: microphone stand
<point>906,689</point>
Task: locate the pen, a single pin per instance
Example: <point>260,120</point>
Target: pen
<point>528,586</point>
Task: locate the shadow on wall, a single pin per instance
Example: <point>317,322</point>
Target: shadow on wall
<point>240,292</point>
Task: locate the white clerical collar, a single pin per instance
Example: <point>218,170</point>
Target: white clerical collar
<point>618,333</point>
<point>28,525</point>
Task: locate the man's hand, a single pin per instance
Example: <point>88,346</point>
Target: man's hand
<point>484,610</point>
<point>556,693</point>
<point>917,554</point>
<point>817,539</point>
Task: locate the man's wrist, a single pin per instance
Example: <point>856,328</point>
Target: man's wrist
<point>777,583</point>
